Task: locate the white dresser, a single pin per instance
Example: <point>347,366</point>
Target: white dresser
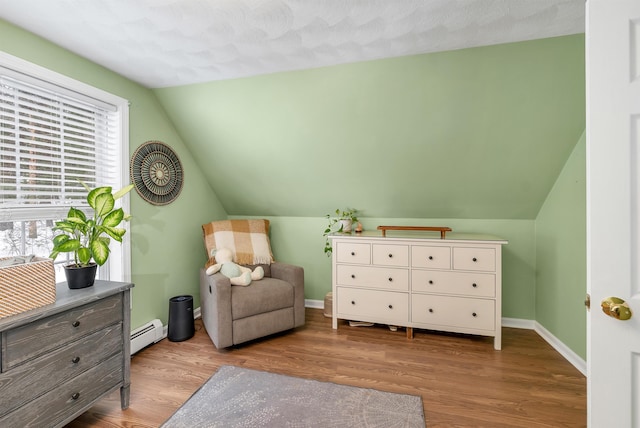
<point>417,280</point>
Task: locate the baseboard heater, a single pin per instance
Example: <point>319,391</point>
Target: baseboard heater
<point>146,335</point>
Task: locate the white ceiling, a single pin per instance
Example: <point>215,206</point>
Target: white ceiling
<point>161,43</point>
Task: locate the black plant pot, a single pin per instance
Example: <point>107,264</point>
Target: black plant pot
<point>80,276</point>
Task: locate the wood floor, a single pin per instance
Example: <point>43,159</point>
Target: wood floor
<point>462,380</point>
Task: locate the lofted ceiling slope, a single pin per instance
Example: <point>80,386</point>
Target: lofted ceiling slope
<point>473,133</point>
<point>405,109</point>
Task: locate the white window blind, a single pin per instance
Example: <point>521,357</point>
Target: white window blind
<point>54,131</point>
<point>50,138</point>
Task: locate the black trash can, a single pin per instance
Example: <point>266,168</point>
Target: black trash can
<point>181,325</point>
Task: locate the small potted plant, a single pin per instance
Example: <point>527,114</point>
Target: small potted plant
<point>341,221</point>
<point>88,237</point>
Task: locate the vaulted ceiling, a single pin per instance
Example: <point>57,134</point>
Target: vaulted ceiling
<point>398,108</point>
<point>474,133</point>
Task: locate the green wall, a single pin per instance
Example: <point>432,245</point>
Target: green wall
<point>561,260</point>
<point>167,248</point>
<point>476,133</point>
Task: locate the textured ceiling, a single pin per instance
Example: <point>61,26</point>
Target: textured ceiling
<point>163,43</point>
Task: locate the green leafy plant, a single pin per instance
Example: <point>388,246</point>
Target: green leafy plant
<point>336,225</point>
<point>89,237</point>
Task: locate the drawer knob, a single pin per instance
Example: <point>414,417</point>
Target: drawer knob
<point>430,257</point>
<point>474,285</point>
<point>76,323</point>
<point>353,253</point>
<point>353,276</point>
<point>474,314</point>
<point>353,302</point>
<point>430,310</point>
<point>390,255</point>
<point>430,281</point>
<point>75,395</point>
<point>390,279</point>
<point>75,360</point>
<point>390,306</point>
<point>474,259</point>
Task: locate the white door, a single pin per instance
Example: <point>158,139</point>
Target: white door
<point>613,210</point>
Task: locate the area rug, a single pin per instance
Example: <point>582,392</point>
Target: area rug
<point>239,397</point>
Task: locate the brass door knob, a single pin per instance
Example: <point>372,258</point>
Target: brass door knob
<point>616,308</point>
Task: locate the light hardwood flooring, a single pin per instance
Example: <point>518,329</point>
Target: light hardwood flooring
<point>462,380</point>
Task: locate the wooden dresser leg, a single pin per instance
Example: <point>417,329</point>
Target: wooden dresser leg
<point>409,332</point>
<point>124,397</point>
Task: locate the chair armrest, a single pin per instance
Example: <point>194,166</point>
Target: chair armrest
<point>294,275</point>
<point>215,308</point>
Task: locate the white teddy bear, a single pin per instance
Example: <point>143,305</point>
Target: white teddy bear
<point>239,275</point>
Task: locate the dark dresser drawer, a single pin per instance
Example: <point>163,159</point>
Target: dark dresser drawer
<point>25,382</point>
<point>31,340</point>
<point>56,407</point>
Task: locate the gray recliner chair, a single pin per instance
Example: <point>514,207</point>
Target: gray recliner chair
<point>237,314</point>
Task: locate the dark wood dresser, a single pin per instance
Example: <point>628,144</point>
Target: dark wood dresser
<point>58,360</point>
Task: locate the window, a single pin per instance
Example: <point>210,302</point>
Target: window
<point>55,131</point>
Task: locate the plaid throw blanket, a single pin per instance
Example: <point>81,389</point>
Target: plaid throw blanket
<point>247,239</point>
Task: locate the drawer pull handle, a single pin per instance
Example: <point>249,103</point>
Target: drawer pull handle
<point>390,279</point>
<point>353,302</point>
<point>474,285</point>
<point>75,323</point>
<point>75,360</point>
<point>474,314</point>
<point>353,253</point>
<point>474,259</point>
<point>430,257</point>
<point>353,276</point>
<point>390,256</point>
<point>75,395</point>
<point>430,310</point>
<point>390,306</point>
<point>430,281</point>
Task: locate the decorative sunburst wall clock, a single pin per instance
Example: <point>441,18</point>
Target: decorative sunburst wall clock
<point>156,173</point>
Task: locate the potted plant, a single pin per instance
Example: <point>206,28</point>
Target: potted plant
<point>342,221</point>
<point>88,237</point>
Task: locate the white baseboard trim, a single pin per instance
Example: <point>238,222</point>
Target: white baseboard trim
<point>518,323</point>
<point>562,349</point>
<point>315,304</point>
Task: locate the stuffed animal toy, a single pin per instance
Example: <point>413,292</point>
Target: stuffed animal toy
<point>239,275</point>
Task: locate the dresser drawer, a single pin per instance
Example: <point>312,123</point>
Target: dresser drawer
<point>461,283</point>
<point>373,305</point>
<point>373,277</point>
<point>470,258</point>
<point>38,337</point>
<point>430,257</point>
<point>447,311</point>
<point>25,382</point>
<point>347,252</point>
<point>391,255</point>
<point>56,406</point>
